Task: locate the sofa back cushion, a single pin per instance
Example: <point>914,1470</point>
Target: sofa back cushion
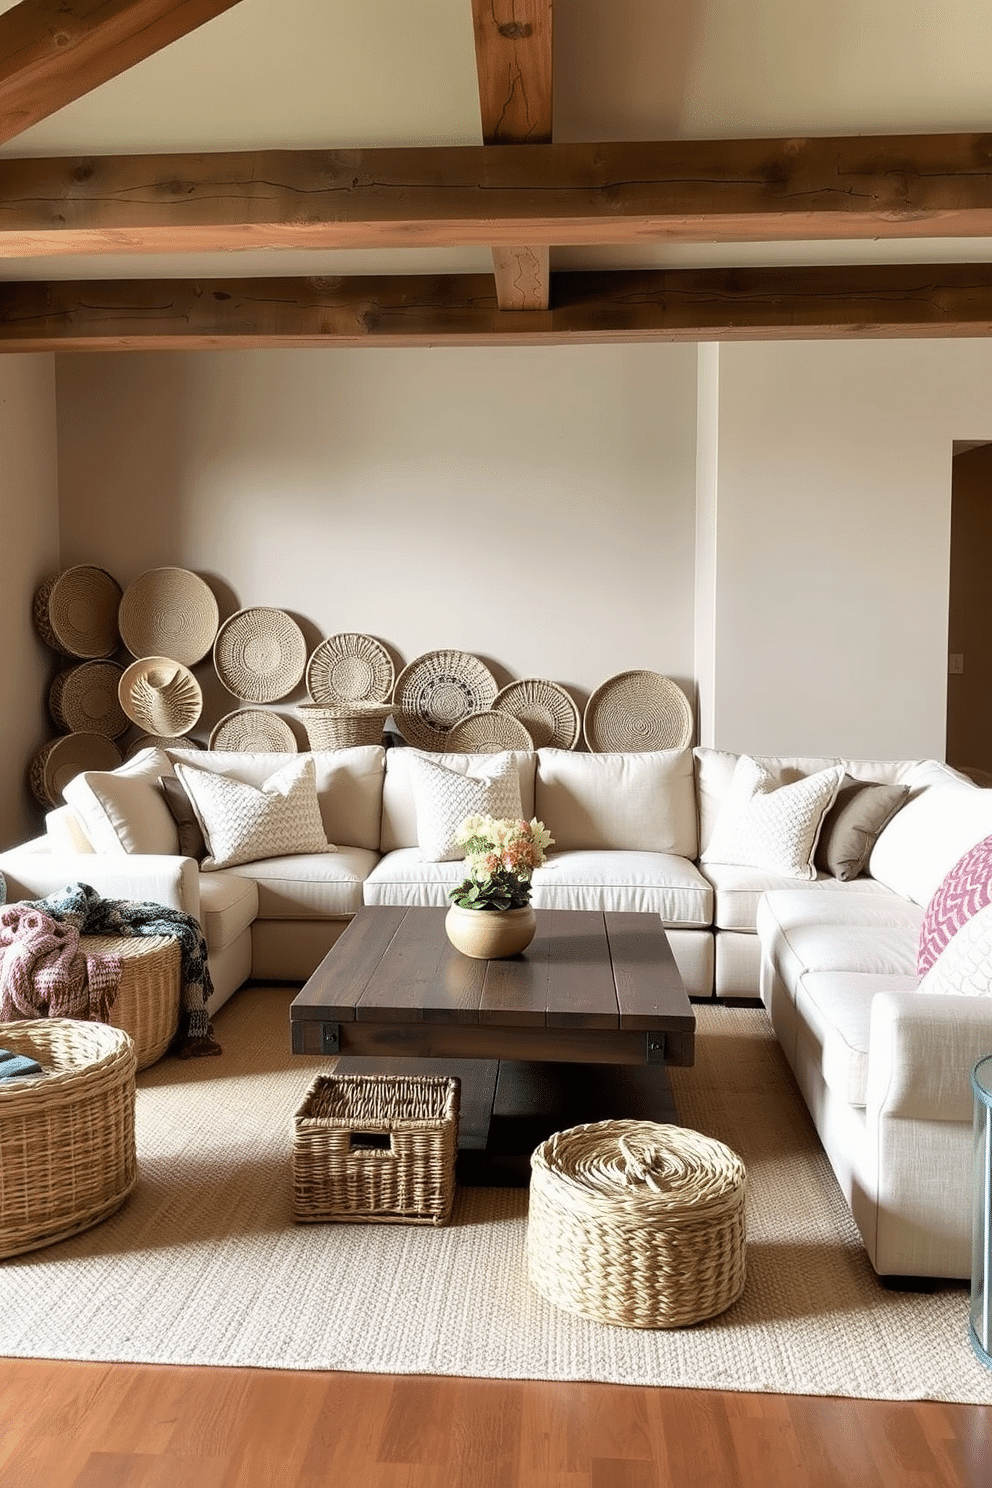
<point>348,782</point>
<point>932,832</point>
<point>641,802</point>
<point>399,802</point>
<point>123,810</point>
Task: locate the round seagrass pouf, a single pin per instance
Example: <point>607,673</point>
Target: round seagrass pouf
<point>636,1223</point>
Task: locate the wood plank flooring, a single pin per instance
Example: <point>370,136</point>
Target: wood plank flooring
<point>147,1426</point>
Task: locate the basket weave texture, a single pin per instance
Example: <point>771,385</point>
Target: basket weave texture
<point>434,691</point>
<point>60,760</point>
<point>160,695</point>
<point>637,711</point>
<point>637,1223</point>
<point>546,710</point>
<point>260,654</point>
<point>350,668</point>
<point>148,993</point>
<point>377,1149</point>
<point>343,727</point>
<point>85,698</point>
<point>75,612</point>
<point>169,612</point>
<point>488,732</point>
<point>253,731</point>
<point>67,1150</point>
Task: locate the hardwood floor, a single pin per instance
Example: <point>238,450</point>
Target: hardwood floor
<point>144,1426</point>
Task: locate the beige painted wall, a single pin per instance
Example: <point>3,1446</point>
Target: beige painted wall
<point>833,541</point>
<point>534,506</point>
<point>30,554</point>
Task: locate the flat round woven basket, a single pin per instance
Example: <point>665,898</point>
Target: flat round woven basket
<point>488,732</point>
<point>637,711</point>
<point>160,695</point>
<point>76,612</point>
<point>159,741</point>
<point>548,713</point>
<point>85,698</point>
<point>343,727</point>
<point>350,668</point>
<point>67,1149</point>
<point>254,731</point>
<point>260,654</point>
<point>60,760</point>
<point>637,1223</point>
<point>435,691</point>
<point>169,612</point>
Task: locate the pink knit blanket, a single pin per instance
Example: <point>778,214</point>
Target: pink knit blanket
<point>44,974</point>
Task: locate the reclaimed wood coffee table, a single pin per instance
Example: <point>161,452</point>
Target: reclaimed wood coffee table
<point>579,1027</point>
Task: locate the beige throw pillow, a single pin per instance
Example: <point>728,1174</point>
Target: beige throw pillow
<point>444,797</point>
<point>123,810</point>
<point>244,823</point>
<point>769,826</point>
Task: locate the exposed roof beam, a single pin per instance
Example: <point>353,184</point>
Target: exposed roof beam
<point>514,63</point>
<point>726,305</point>
<point>54,51</point>
<point>900,186</point>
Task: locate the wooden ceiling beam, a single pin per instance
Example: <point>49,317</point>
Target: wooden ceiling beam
<point>54,51</point>
<point>514,63</point>
<point>727,305</point>
<point>902,186</point>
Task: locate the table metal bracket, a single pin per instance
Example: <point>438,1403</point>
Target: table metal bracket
<point>654,1048</point>
<point>330,1038</point>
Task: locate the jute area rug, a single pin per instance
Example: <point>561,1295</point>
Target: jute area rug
<point>204,1264</point>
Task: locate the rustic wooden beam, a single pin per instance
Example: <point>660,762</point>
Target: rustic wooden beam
<point>53,51</point>
<point>513,61</point>
<point>901,186</point>
<point>679,305</point>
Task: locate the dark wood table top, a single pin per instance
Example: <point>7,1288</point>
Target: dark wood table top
<point>585,972</point>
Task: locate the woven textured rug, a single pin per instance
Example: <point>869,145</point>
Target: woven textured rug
<point>204,1264</point>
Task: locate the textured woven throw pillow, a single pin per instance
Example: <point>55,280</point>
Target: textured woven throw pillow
<point>964,966</point>
<point>444,797</point>
<point>964,892</point>
<point>243,823</point>
<point>769,826</point>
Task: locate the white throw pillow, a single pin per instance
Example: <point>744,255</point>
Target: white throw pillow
<point>444,797</point>
<point>244,823</point>
<point>769,826</point>
<point>964,966</point>
<point>123,810</point>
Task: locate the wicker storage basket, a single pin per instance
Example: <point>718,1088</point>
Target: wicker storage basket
<point>67,1152</point>
<point>379,1149</point>
<point>147,1001</point>
<point>344,727</point>
<point>636,1223</point>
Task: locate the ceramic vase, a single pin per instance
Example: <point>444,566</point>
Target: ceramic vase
<point>490,934</point>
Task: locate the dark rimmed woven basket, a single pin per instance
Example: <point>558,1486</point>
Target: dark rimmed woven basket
<point>85,699</point>
<point>637,1223</point>
<point>60,760</point>
<point>67,1148</point>
<point>376,1149</point>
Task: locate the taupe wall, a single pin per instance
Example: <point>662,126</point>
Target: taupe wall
<point>28,555</point>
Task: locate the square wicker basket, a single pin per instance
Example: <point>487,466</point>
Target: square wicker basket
<point>376,1149</point>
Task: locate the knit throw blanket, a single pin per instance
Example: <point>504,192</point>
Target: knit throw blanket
<point>48,962</point>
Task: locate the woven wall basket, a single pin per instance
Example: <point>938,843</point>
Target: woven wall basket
<point>637,711</point>
<point>350,668</point>
<point>60,760</point>
<point>548,713</point>
<point>637,1223</point>
<point>85,699</point>
<point>343,727</point>
<point>76,612</point>
<point>159,741</point>
<point>161,696</point>
<point>67,1149</point>
<point>254,731</point>
<point>488,732</point>
<point>169,612</point>
<point>260,654</point>
<point>435,691</point>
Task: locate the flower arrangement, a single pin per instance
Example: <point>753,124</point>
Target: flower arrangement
<point>501,854</point>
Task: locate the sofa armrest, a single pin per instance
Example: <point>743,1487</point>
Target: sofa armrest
<point>922,1049</point>
<point>31,873</point>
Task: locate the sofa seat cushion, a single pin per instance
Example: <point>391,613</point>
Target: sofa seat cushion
<point>835,1008</point>
<point>228,906</point>
<point>804,931</point>
<point>647,882</point>
<point>310,886</point>
<point>738,891</point>
<point>403,877</point>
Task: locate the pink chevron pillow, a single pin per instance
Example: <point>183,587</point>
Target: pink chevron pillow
<point>965,890</point>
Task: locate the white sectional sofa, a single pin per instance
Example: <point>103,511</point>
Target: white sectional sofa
<point>883,1067</point>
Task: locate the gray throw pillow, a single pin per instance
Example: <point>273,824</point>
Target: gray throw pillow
<point>192,843</point>
<point>852,824</point>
